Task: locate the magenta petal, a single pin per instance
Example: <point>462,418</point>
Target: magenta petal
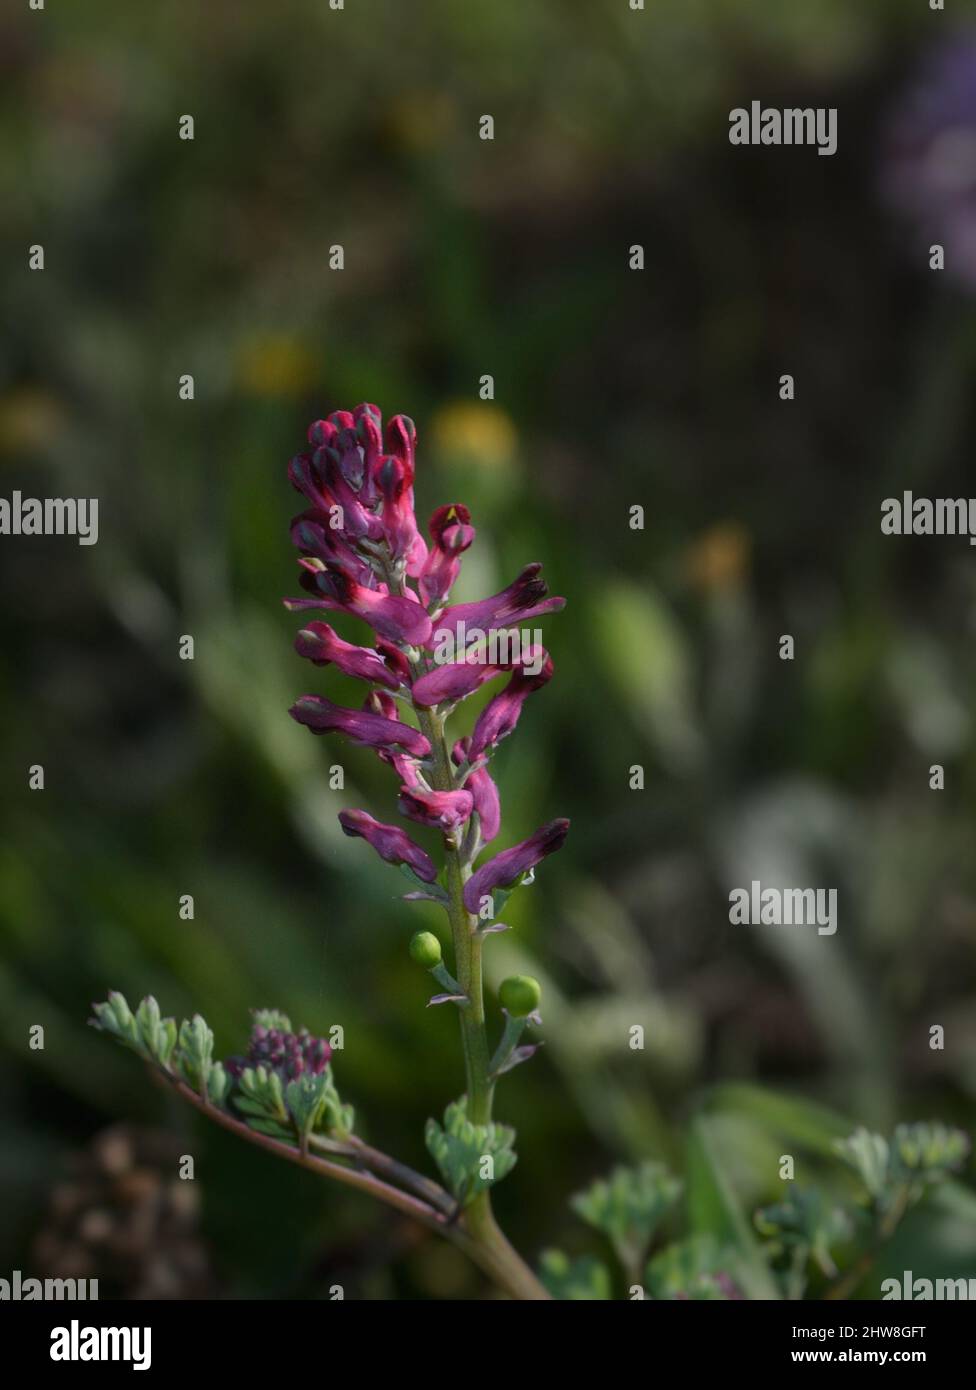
<point>487,804</point>
<point>442,810</point>
<point>524,598</point>
<point>507,867</point>
<point>372,730</point>
<point>394,480</point>
<point>452,681</point>
<point>452,534</point>
<point>484,792</point>
<point>390,842</point>
<point>323,645</point>
<point>501,714</point>
<point>398,619</point>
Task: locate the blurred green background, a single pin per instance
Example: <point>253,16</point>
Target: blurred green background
<point>613,388</point>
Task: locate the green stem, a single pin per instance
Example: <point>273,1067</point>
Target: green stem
<point>887,1225</point>
<point>500,1258</point>
<point>474,1233</point>
<point>467,943</point>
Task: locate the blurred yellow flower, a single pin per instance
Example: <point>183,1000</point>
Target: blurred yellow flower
<point>275,365</point>
<point>419,120</point>
<point>30,419</point>
<point>719,558</point>
<point>482,433</point>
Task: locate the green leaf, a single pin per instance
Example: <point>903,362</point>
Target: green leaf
<point>460,1150</point>
<point>695,1268</point>
<point>336,1119</point>
<point>149,1024</point>
<point>713,1207</point>
<point>168,1033</point>
<point>928,1151</point>
<point>867,1154</point>
<point>808,1220</point>
<point>628,1208</point>
<point>271,1018</point>
<point>305,1099</point>
<point>262,1088</point>
<point>272,1130</point>
<point>193,1055</point>
<point>584,1279</point>
<point>157,1034</point>
<point>219,1085</point>
<point>116,1018</point>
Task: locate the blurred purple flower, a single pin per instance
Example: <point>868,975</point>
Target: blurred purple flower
<point>289,1054</point>
<point>929,165</point>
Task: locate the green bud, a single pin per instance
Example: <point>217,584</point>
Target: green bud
<point>520,995</point>
<point>425,949</point>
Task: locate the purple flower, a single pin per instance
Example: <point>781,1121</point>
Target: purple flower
<point>317,540</point>
<point>499,717</point>
<point>443,810</point>
<point>291,1055</point>
<point>509,866</point>
<point>399,619</point>
<point>524,598</point>
<point>929,168</point>
<point>372,730</point>
<point>361,553</point>
<point>452,534</point>
<point>486,801</point>
<point>390,842</point>
<point>455,679</point>
<point>323,645</point>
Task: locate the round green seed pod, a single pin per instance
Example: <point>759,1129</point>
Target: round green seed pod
<point>425,949</point>
<point>520,995</point>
